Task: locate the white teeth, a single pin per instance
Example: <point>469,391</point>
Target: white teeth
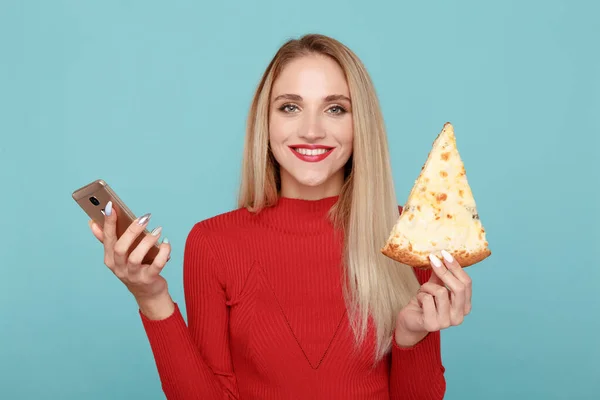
<point>309,152</point>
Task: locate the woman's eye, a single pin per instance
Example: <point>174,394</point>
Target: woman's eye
<point>288,108</point>
<point>337,110</point>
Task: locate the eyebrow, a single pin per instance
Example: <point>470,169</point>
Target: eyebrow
<point>295,97</point>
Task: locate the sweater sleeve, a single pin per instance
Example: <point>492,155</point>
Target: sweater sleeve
<point>194,362</point>
<point>417,372</point>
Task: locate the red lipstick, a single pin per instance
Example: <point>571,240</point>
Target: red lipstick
<point>313,152</point>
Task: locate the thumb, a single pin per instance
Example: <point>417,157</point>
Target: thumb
<point>96,231</point>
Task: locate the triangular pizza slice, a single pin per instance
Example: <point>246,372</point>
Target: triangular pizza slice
<point>440,213</point>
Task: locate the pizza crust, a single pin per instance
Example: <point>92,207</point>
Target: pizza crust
<point>440,213</point>
<point>421,259</point>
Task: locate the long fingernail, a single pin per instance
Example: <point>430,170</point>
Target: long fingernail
<point>436,261</point>
<point>166,241</point>
<point>108,209</point>
<point>447,256</point>
<point>156,231</point>
<point>144,219</point>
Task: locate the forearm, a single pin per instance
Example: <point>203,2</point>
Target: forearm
<point>183,371</point>
<point>417,371</point>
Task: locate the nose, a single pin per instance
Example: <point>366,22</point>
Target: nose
<point>312,129</point>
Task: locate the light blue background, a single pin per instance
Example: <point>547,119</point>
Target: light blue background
<point>153,96</point>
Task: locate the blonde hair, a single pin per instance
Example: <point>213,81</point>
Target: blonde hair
<point>374,285</point>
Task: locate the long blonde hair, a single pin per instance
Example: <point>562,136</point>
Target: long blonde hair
<point>374,285</point>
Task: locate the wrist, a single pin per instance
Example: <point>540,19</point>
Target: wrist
<point>156,307</point>
<point>406,339</point>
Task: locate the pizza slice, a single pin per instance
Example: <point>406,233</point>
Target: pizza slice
<point>440,213</point>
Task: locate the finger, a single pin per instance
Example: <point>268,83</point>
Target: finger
<point>96,230</point>
<point>134,272</point>
<point>458,298</point>
<point>457,310</point>
<point>110,236</point>
<point>430,322</point>
<point>446,276</point>
<point>124,243</point>
<point>421,296</point>
<point>441,296</point>
<point>137,255</point>
<point>462,276</point>
<point>456,287</point>
<point>161,259</point>
<point>436,280</point>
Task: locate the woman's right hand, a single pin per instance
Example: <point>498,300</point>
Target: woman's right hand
<point>143,281</point>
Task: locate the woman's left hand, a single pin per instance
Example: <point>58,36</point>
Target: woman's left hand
<point>441,302</point>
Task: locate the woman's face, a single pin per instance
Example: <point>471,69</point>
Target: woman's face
<point>310,128</point>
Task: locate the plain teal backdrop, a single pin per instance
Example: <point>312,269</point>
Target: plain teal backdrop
<point>152,96</point>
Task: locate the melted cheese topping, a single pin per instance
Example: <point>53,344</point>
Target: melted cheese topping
<point>440,212</point>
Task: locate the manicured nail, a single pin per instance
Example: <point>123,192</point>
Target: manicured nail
<point>447,256</point>
<point>108,209</point>
<point>144,219</point>
<point>166,241</point>
<point>436,261</point>
<point>156,231</point>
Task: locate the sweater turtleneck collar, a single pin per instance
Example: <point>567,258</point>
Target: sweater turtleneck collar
<point>318,207</point>
<point>300,215</point>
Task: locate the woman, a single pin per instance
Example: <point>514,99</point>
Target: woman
<point>289,297</point>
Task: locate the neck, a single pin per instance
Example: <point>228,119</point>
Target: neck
<point>292,189</point>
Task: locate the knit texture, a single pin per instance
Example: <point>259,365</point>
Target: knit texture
<point>267,319</point>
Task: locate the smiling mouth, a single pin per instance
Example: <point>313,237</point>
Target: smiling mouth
<point>311,153</point>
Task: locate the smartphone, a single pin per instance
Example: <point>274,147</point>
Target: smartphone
<point>94,196</point>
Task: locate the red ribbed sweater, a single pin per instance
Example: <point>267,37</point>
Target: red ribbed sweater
<point>267,320</point>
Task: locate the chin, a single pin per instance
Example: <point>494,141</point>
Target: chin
<point>312,180</point>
